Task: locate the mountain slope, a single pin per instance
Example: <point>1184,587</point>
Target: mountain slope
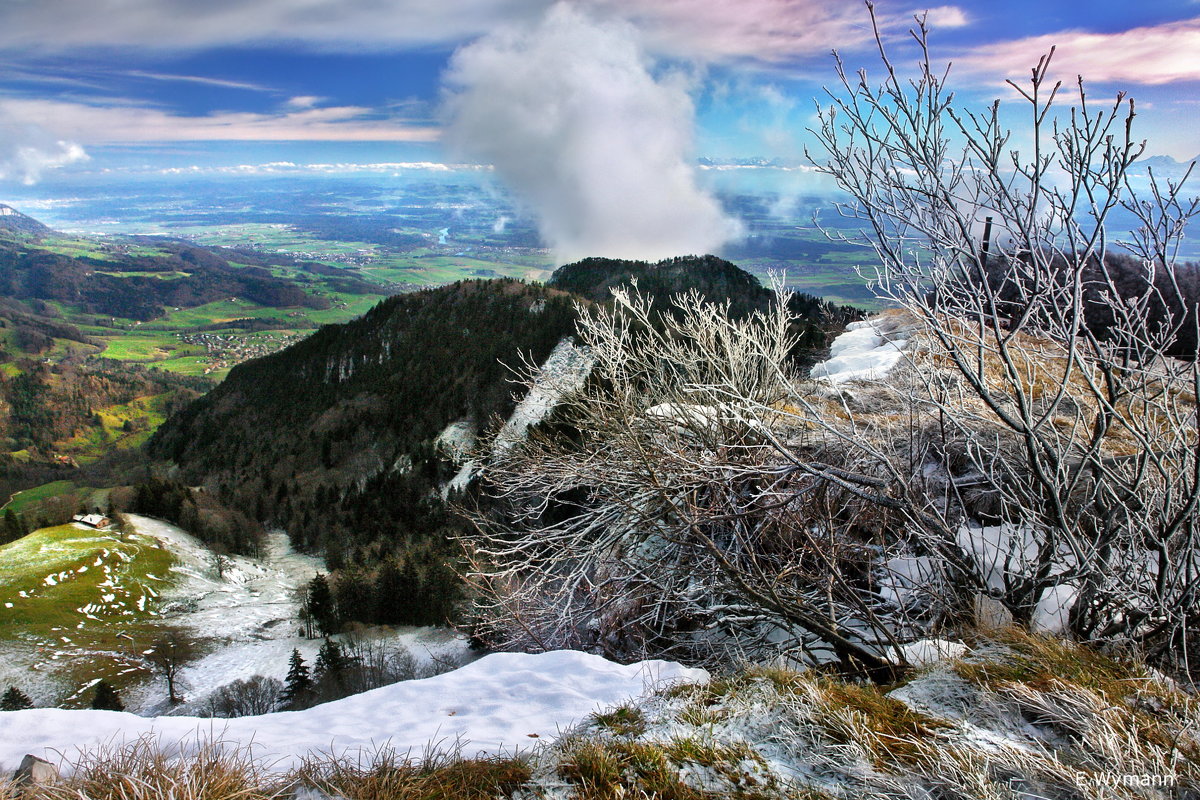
<point>332,437</point>
<point>15,221</point>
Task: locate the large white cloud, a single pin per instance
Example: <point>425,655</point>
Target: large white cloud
<point>573,120</point>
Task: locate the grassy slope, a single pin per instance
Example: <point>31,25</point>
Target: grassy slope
<point>79,594</point>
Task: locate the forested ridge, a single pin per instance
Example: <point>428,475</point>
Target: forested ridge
<point>332,438</point>
<point>715,279</point>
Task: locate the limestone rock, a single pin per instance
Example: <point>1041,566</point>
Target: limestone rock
<point>35,771</point>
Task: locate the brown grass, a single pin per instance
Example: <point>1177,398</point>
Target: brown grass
<point>388,776</point>
<point>143,770</point>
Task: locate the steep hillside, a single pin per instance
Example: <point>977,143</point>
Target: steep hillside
<point>15,221</point>
<point>332,438</point>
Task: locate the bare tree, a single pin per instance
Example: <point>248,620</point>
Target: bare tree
<point>252,696</point>
<point>682,513</point>
<point>1042,378</point>
<point>1036,444</point>
<point>168,655</point>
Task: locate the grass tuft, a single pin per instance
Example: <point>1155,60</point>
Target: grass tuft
<point>623,721</point>
<point>436,776</point>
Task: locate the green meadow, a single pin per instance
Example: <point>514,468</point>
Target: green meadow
<point>87,600</point>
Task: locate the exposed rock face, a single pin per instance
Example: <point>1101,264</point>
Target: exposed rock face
<point>35,771</point>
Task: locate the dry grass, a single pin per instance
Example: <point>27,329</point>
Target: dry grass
<point>145,770</point>
<point>389,776</point>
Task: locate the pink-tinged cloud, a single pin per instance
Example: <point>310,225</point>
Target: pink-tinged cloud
<point>93,124</point>
<point>944,17</point>
<point>766,30</point>
<point>1149,55</point>
<point>770,31</point>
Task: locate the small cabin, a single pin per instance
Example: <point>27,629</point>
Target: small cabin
<point>92,520</point>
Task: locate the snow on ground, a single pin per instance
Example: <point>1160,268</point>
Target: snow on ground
<point>565,370</point>
<point>499,704</point>
<point>861,353</point>
<point>251,616</point>
<point>1007,549</point>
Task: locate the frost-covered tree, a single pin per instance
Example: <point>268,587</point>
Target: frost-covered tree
<point>1037,442</point>
<point>1043,379</point>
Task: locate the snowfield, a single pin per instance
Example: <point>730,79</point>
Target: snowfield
<point>502,703</point>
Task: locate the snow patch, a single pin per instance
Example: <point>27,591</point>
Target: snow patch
<point>499,704</point>
<point>565,370</point>
<point>862,353</point>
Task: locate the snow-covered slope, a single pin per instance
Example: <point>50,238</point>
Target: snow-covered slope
<point>866,351</point>
<point>501,703</point>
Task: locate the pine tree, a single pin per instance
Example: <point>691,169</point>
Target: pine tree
<point>106,698</point>
<point>299,682</point>
<point>320,605</point>
<point>15,700</point>
<point>329,672</point>
<point>13,528</point>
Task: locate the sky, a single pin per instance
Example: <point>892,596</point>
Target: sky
<point>175,82</point>
<point>620,96</point>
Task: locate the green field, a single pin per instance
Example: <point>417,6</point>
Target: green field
<point>22,502</point>
<point>87,601</point>
<point>142,347</point>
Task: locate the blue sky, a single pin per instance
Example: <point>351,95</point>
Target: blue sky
<point>89,85</point>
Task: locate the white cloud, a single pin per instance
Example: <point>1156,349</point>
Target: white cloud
<point>1149,55</point>
<point>26,150</point>
<point>945,17</point>
<point>575,123</point>
<point>129,122</point>
<point>205,81</point>
<point>291,168</point>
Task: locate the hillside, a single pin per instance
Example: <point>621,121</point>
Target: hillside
<point>714,278</point>
<point>332,438</point>
<point>16,222</point>
<point>137,283</point>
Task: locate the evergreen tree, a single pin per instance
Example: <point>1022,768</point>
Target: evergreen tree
<point>106,698</point>
<point>299,682</point>
<point>13,527</point>
<point>392,595</point>
<point>352,594</point>
<point>321,606</point>
<point>15,700</point>
<point>330,667</point>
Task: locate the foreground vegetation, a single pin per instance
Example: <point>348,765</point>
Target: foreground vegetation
<point>1014,717</point>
